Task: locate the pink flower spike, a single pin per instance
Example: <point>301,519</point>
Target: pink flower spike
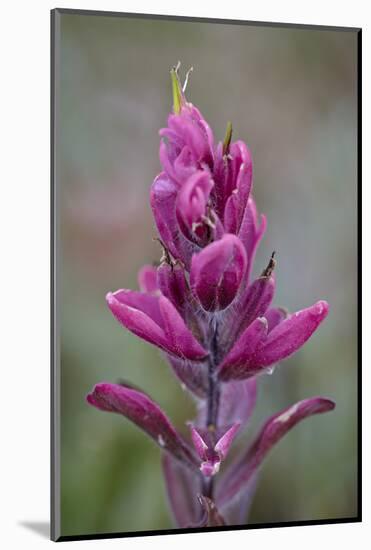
<point>216,327</point>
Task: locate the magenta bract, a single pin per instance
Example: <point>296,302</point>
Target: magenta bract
<point>217,329</point>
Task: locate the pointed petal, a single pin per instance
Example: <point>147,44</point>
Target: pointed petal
<point>198,443</point>
<point>181,487</point>
<point>217,272</point>
<point>180,339</point>
<point>147,279</point>
<point>289,335</point>
<point>238,476</point>
<point>145,413</point>
<point>224,443</point>
<point>237,364</point>
<point>212,445</point>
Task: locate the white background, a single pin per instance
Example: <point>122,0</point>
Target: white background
<point>24,256</point>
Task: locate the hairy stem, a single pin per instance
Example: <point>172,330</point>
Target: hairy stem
<point>212,400</point>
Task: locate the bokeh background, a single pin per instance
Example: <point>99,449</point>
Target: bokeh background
<point>291,95</point>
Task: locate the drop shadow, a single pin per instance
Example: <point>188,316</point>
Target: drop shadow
<point>42,528</point>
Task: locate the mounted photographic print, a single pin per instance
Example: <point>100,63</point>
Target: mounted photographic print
<point>204,274</point>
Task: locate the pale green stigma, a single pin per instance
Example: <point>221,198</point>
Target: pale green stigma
<point>227,138</point>
<point>178,97</point>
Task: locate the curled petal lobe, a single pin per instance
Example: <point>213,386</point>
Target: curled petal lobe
<point>185,161</point>
<point>274,316</point>
<point>184,165</point>
<point>239,475</point>
<point>192,200</point>
<point>179,167</point>
<point>145,413</point>
<point>289,335</point>
<point>167,156</point>
<point>190,128</point>
<point>164,194</point>
<point>217,272</point>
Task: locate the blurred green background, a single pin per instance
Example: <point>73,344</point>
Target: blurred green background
<point>291,95</point>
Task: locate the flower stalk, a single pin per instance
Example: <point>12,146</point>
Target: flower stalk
<point>213,322</point>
